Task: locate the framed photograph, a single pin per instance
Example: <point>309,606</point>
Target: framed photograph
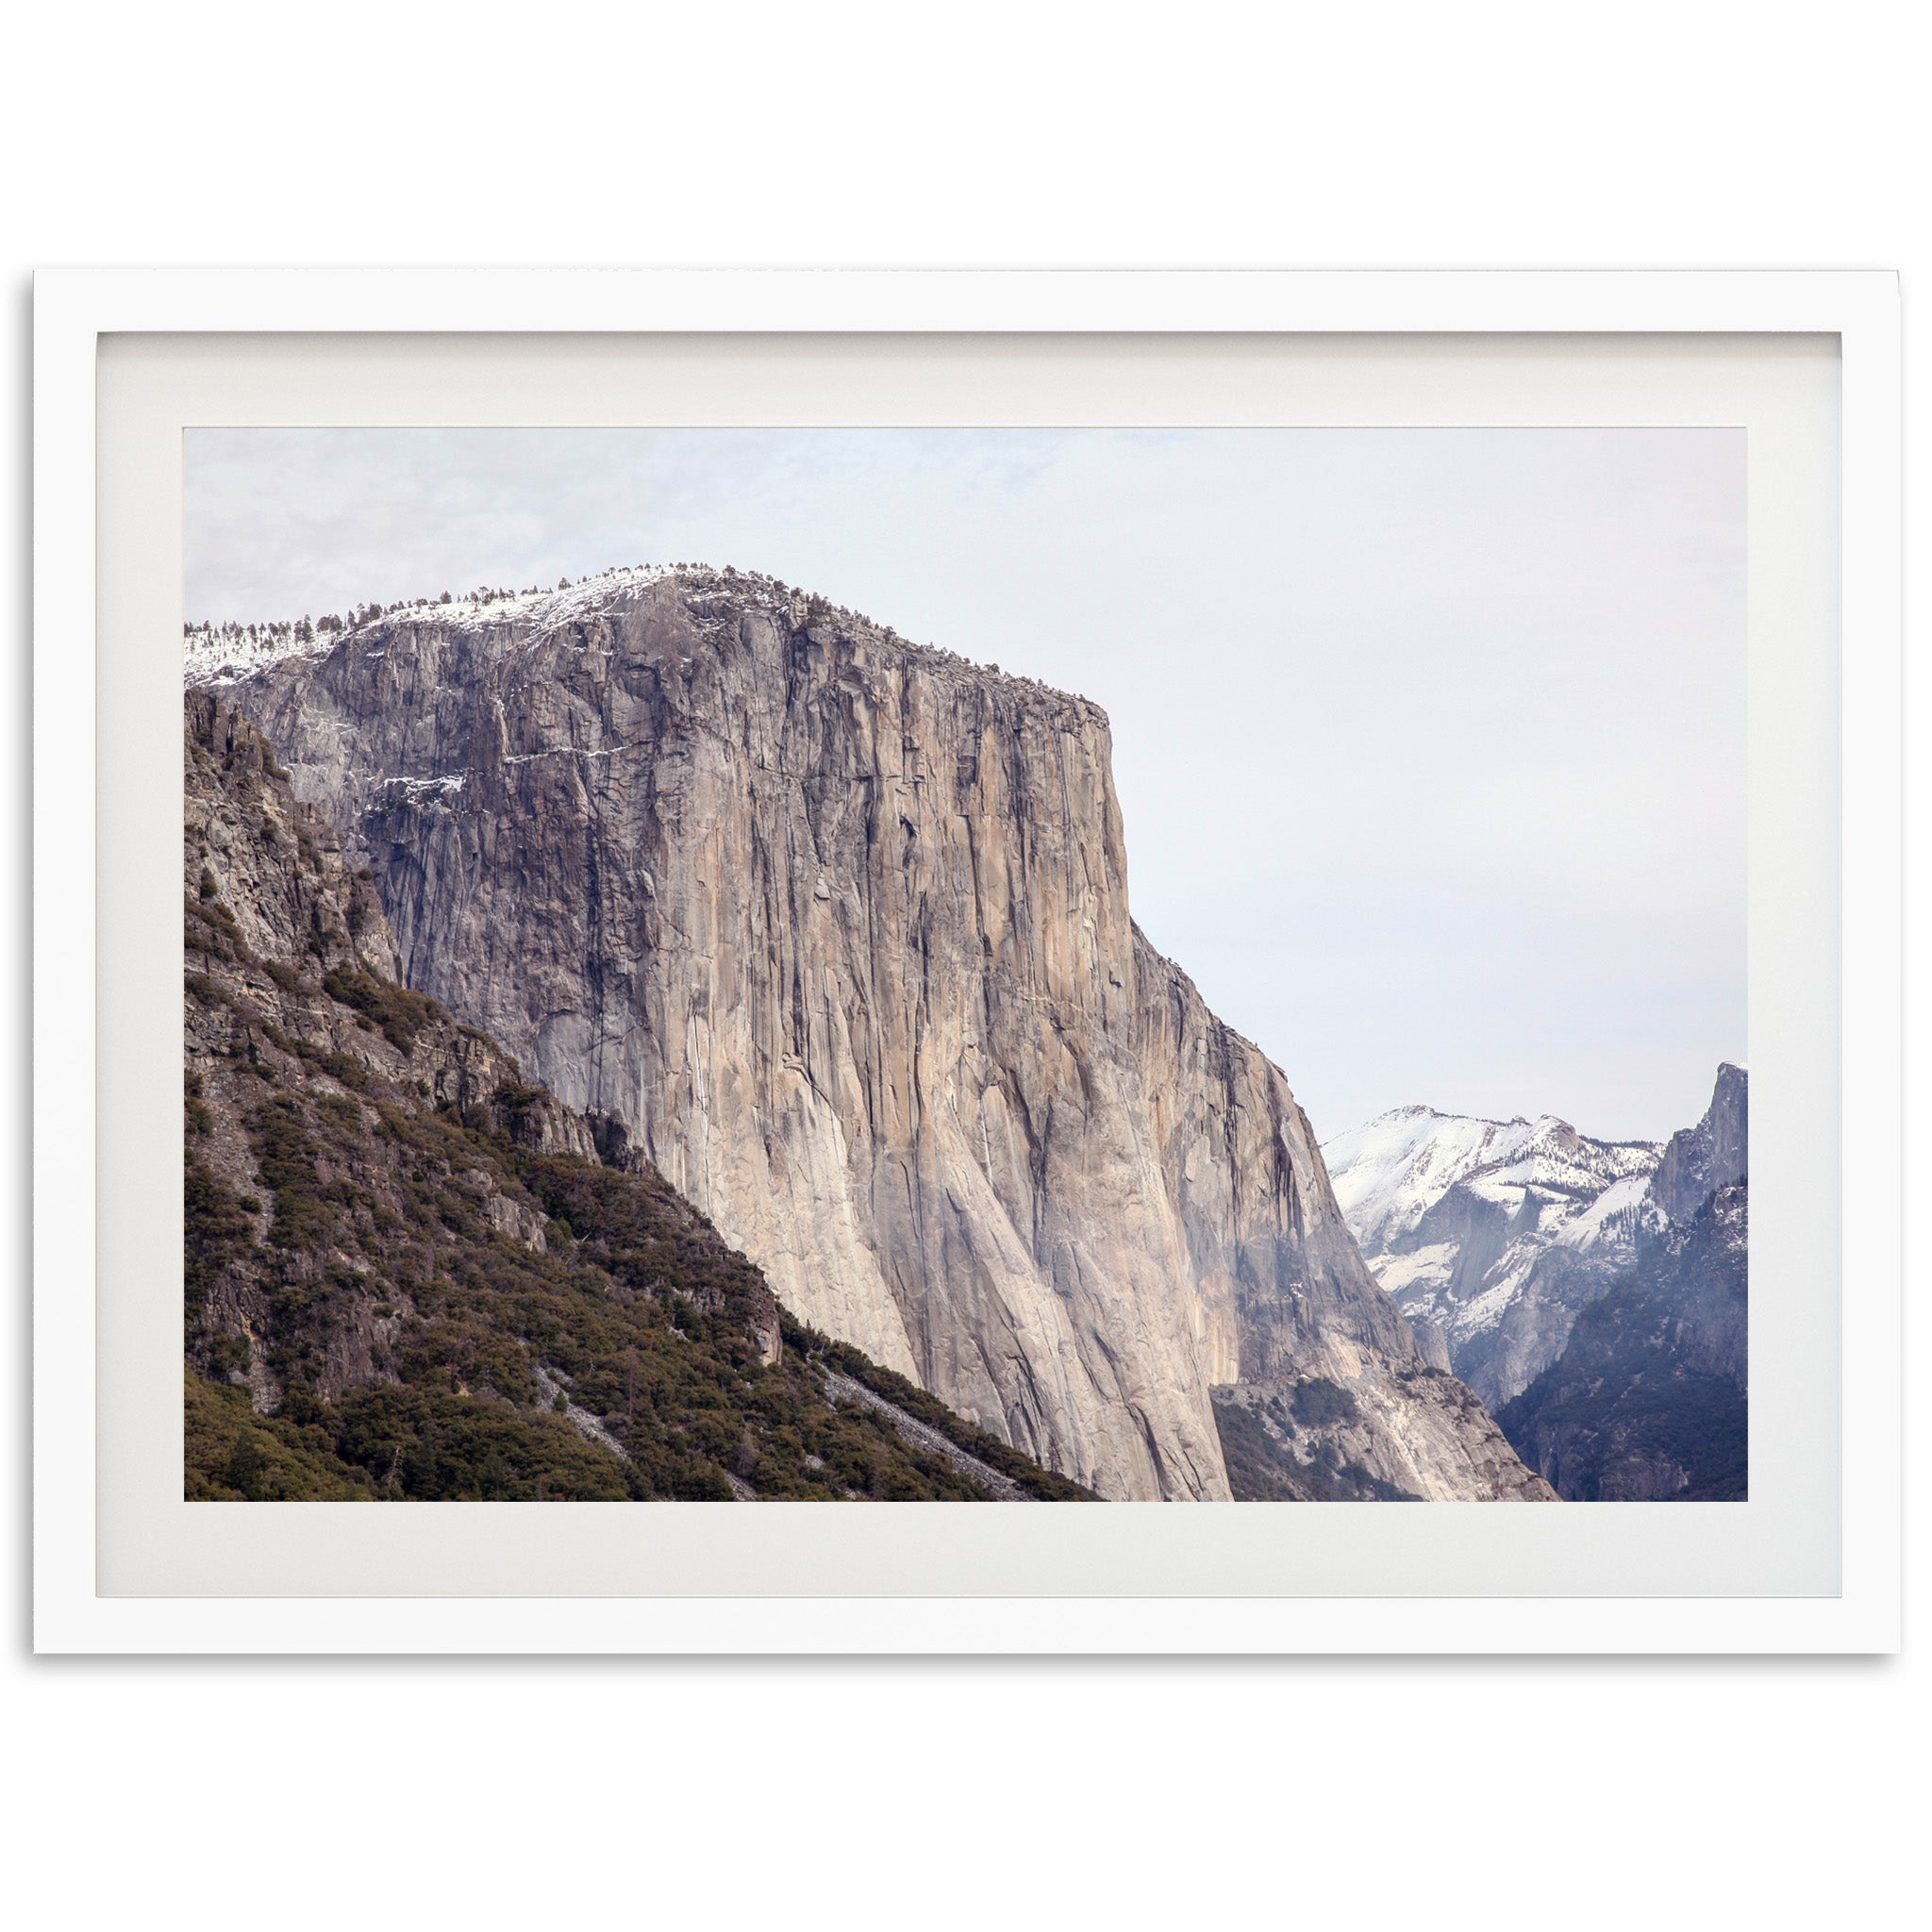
<point>919,889</point>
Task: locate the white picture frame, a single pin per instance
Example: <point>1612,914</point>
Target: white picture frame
<point>76,310</point>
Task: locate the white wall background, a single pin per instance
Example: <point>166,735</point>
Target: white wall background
<point>1437,1792</point>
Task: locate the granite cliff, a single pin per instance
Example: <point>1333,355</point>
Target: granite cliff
<point>408,1276</point>
<point>1715,1153</point>
<point>831,931</point>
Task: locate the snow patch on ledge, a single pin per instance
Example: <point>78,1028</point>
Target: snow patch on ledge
<point>426,791</point>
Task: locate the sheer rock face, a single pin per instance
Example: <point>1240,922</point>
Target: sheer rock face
<point>1712,1155</point>
<point>835,928</point>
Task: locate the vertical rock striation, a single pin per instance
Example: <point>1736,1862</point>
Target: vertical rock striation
<point>1712,1155</point>
<point>438,1292</point>
<point>835,929</point>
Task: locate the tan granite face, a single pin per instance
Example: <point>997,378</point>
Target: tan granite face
<point>838,928</point>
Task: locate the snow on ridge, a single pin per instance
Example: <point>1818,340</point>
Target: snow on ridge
<point>546,611</point>
<point>1622,1206</point>
<point>229,652</point>
<point>1422,1110</point>
<point>225,654</point>
<point>1510,1193</point>
<point>1388,1173</point>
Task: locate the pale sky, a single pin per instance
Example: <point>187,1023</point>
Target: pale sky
<point>1430,742</point>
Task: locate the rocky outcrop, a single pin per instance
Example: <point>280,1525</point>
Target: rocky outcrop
<point>291,981</point>
<point>1712,1155</point>
<point>1430,1339</point>
<point>1286,1303</point>
<point>277,916</point>
<point>833,930</point>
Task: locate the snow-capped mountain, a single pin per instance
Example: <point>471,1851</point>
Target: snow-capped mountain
<point>1390,1173</point>
<point>1497,1232</point>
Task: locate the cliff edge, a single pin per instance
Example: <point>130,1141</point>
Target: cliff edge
<point>833,929</point>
